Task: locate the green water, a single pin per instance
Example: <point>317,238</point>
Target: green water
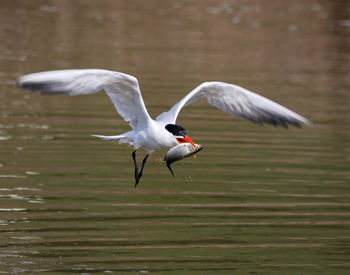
<point>256,200</point>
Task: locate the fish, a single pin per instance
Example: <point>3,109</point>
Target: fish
<point>179,152</point>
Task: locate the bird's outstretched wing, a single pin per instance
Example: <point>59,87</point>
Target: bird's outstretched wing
<point>123,89</point>
<point>238,102</point>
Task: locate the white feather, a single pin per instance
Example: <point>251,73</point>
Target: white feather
<point>238,102</point>
<point>113,138</point>
<point>122,89</point>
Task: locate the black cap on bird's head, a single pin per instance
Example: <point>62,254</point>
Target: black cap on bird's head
<point>178,132</point>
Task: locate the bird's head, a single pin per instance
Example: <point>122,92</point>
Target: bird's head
<point>180,134</point>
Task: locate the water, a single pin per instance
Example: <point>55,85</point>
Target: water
<point>256,200</point>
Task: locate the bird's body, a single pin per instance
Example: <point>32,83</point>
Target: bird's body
<point>162,132</point>
<point>151,136</point>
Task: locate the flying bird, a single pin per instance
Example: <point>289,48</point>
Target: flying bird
<point>162,132</point>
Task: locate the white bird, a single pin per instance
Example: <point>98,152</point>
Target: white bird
<point>162,132</point>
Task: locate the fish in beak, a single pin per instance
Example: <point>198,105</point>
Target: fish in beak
<point>179,152</point>
<point>186,139</point>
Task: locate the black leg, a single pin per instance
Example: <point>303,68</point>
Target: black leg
<point>140,173</point>
<point>136,167</point>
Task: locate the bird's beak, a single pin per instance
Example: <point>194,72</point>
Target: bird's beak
<point>186,139</point>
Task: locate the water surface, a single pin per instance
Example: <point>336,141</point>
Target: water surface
<point>256,200</point>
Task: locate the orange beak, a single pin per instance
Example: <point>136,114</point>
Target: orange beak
<point>186,139</point>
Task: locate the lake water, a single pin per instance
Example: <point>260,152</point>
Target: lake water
<point>257,199</point>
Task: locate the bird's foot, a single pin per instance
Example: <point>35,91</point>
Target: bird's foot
<point>137,179</point>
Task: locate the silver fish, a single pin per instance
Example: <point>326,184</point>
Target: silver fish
<point>179,152</point>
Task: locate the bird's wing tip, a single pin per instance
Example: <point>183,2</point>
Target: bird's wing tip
<point>305,121</point>
<point>309,123</point>
<point>300,123</point>
<point>19,82</point>
<point>26,83</point>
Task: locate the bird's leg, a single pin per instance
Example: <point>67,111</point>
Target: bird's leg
<point>136,167</point>
<point>140,173</point>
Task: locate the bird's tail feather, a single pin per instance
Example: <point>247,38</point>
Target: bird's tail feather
<point>109,137</point>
